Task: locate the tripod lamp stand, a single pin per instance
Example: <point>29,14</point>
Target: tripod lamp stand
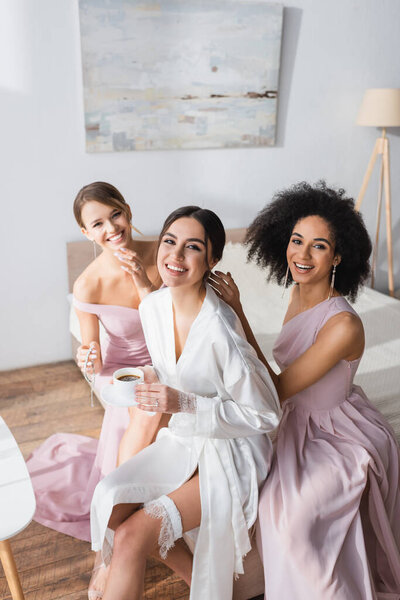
<point>380,108</point>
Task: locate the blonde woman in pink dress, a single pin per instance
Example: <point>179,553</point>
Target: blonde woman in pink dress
<point>329,512</point>
<point>67,467</point>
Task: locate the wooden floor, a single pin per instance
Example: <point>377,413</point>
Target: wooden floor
<point>35,403</point>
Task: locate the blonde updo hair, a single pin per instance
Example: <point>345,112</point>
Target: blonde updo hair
<point>102,192</point>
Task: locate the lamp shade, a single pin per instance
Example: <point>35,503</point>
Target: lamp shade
<point>380,108</point>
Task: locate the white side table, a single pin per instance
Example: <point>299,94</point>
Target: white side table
<point>17,503</point>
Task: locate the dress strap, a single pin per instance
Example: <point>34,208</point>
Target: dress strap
<point>86,306</point>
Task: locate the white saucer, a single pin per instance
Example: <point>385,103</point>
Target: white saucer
<point>109,396</point>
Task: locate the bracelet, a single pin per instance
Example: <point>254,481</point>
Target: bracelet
<point>187,402</point>
<point>89,379</point>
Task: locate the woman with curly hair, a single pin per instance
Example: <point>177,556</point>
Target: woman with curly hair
<point>329,525</point>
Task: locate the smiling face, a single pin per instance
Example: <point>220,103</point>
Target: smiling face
<point>311,251</point>
<point>108,226</point>
<point>182,254</point>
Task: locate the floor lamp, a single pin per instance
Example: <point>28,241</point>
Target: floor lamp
<point>380,108</point>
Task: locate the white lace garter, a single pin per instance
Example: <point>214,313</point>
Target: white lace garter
<point>171,525</point>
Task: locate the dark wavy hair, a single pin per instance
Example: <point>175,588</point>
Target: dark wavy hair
<point>212,224</point>
<point>269,234</point>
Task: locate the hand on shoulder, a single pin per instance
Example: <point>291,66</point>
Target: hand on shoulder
<point>225,287</point>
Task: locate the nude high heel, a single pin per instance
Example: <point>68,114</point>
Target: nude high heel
<point>98,579</point>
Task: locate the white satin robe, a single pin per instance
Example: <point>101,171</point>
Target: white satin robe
<point>227,439</point>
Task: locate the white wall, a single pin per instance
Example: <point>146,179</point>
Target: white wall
<point>331,52</point>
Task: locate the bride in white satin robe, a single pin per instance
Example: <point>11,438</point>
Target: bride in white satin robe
<point>225,439</point>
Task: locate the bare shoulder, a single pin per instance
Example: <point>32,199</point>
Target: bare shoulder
<point>345,323</point>
<point>344,331</point>
<point>86,286</point>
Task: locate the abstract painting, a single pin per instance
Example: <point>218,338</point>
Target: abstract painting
<point>179,74</point>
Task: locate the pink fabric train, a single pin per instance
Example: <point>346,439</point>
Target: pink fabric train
<point>66,468</point>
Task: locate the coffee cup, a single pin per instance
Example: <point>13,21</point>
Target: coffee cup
<point>124,382</point>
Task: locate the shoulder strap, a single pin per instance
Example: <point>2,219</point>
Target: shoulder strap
<point>85,306</point>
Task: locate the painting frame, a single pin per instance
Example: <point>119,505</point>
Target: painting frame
<point>180,74</point>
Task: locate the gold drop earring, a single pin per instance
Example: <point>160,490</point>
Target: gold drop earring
<point>135,229</point>
<point>285,281</point>
<point>332,281</point>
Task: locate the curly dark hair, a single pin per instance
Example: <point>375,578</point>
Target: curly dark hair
<point>269,234</point>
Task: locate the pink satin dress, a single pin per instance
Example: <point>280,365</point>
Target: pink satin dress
<point>329,512</point>
<point>66,468</point>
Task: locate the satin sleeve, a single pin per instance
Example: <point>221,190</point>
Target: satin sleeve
<point>252,408</point>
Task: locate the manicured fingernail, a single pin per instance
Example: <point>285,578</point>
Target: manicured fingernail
<point>123,250</point>
<point>125,269</point>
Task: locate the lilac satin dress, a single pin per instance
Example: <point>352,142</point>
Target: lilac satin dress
<point>66,468</point>
<point>329,512</point>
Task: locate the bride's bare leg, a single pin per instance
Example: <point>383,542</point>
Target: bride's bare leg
<point>120,513</point>
<point>137,537</point>
<point>140,433</point>
<point>100,572</point>
<point>179,559</point>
